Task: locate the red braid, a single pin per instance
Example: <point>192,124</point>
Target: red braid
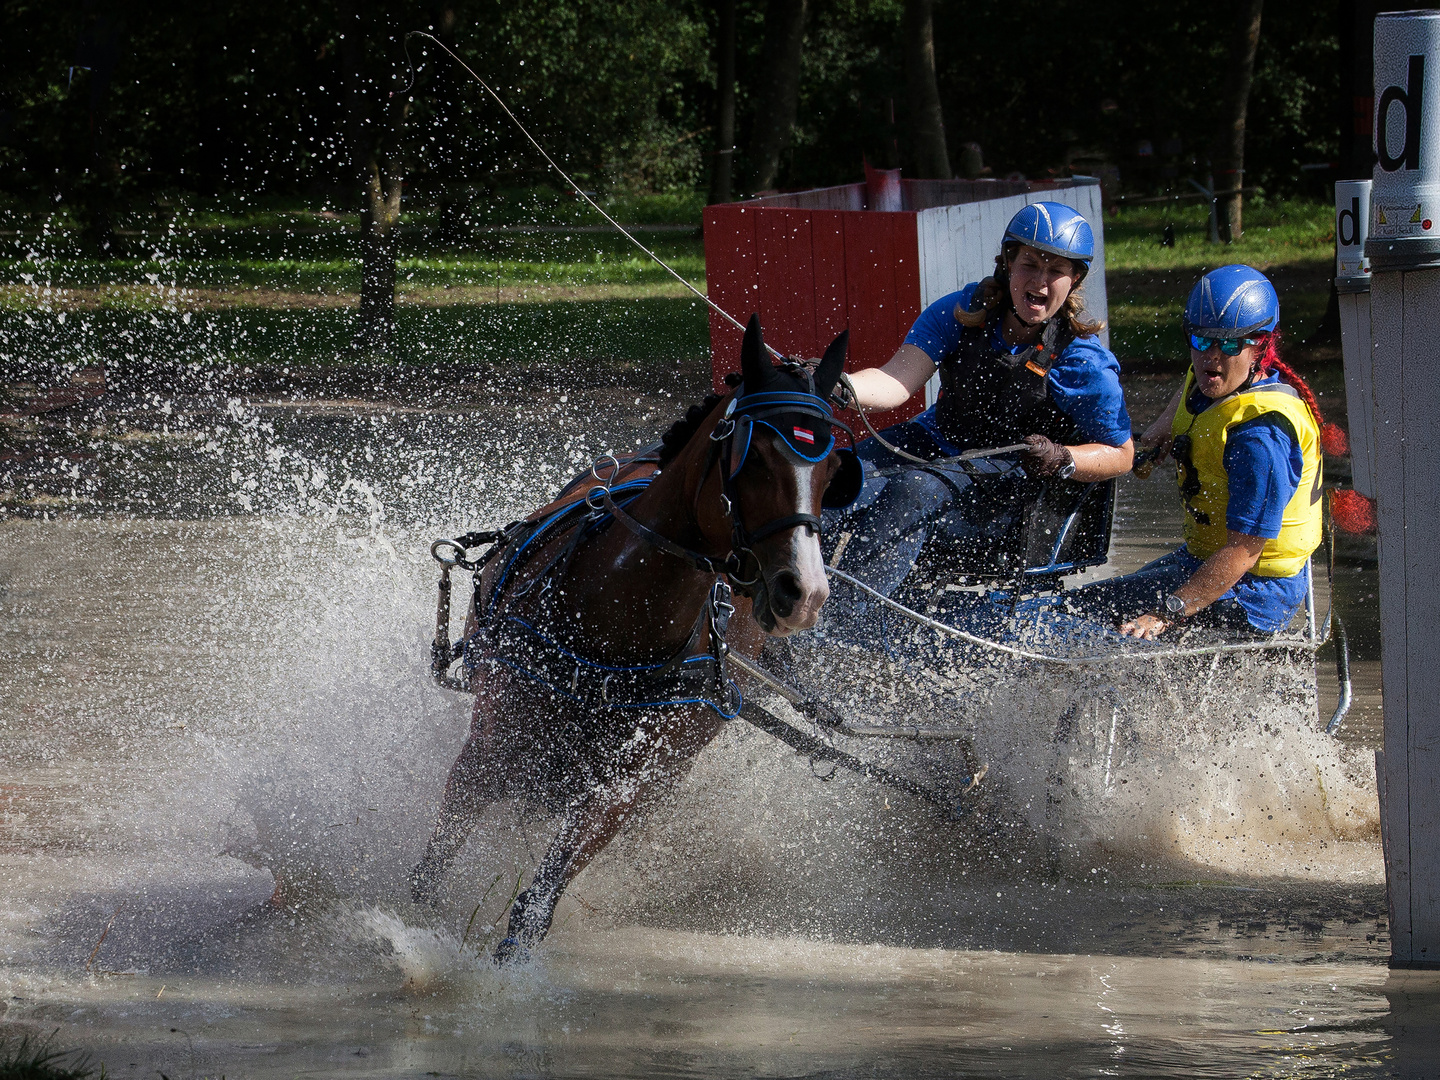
<point>1332,440</point>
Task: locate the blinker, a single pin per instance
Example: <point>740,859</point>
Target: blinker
<point>844,487</point>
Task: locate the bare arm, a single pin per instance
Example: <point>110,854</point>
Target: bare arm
<point>891,386</point>
<point>907,372</point>
<point>1099,461</point>
<point>1217,575</point>
<point>1159,430</point>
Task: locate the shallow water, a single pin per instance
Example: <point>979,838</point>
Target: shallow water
<point>219,753</point>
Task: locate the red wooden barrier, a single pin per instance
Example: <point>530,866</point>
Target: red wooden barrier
<point>811,274</point>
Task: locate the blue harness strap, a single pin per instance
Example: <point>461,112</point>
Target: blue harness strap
<point>686,678</point>
<point>574,514</point>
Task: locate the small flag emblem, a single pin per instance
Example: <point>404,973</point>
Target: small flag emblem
<point>805,435</point>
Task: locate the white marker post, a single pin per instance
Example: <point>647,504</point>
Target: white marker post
<point>1404,252</point>
<point>1352,282</point>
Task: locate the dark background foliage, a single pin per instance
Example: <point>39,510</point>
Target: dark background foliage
<point>122,100</point>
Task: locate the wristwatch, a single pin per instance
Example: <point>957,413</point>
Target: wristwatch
<point>1067,470</point>
<point>1175,606</point>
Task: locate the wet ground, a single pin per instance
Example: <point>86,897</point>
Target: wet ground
<point>219,753</point>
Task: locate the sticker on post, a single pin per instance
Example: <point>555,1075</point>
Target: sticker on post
<point>1400,221</point>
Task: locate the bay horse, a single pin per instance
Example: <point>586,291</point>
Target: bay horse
<point>597,638</point>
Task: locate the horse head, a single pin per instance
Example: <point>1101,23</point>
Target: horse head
<point>780,467</point>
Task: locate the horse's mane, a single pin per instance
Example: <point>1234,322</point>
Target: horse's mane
<point>680,433</point>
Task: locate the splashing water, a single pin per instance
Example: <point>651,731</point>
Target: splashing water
<point>222,754</point>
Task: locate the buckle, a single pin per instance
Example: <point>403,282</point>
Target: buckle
<point>723,430</point>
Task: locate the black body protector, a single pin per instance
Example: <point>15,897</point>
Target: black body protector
<point>993,398</point>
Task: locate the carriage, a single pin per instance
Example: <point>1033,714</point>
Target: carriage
<point>970,689</point>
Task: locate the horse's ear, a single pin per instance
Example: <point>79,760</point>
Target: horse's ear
<point>755,366</point>
<point>827,373</point>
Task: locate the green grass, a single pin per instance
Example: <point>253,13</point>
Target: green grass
<point>329,263</point>
<point>1275,232</point>
<point>646,331</point>
<point>276,268</point>
<point>187,214</point>
<point>1292,242</point>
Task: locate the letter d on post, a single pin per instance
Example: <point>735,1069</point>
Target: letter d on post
<point>1405,202</point>
<point>1411,99</point>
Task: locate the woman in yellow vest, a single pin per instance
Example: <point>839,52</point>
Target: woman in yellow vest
<point>1245,433</point>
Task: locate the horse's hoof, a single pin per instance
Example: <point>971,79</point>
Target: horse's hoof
<point>424,889</point>
<point>510,951</point>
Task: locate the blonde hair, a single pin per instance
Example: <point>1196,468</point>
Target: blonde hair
<point>994,289</point>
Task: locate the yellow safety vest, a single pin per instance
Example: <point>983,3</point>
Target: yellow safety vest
<point>1205,531</point>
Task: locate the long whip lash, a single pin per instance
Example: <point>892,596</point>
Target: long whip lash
<point>566,177</point>
<point>631,237</point>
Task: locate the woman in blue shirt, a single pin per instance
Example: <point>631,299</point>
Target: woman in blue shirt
<point>1018,363</point>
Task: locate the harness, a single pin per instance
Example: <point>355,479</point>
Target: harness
<point>802,419</point>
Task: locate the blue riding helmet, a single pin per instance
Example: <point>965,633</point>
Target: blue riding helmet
<point>1232,302</point>
<point>1055,228</point>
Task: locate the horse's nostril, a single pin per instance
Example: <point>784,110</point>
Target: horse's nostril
<point>784,593</point>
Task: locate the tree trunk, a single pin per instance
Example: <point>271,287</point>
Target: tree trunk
<point>778,93</point>
<point>1232,138</point>
<point>927,122</point>
<point>721,176</point>
<point>379,233</point>
<point>373,125</point>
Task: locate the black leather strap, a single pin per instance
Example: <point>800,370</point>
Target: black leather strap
<point>706,563</point>
<point>810,521</point>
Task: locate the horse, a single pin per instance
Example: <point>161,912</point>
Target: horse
<point>597,637</point>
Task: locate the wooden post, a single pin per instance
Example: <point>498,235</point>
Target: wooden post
<point>1404,254</point>
<point>1352,282</point>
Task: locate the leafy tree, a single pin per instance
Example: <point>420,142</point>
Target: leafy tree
<point>1231,140</point>
<point>777,89</point>
<point>251,100</point>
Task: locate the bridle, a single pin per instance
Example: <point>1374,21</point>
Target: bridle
<point>736,429</point>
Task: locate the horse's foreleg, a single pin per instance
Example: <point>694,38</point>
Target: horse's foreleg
<point>591,822</point>
<point>467,793</point>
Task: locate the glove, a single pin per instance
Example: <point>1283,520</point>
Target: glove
<point>1147,457</point>
<point>1043,458</point>
<point>843,396</point>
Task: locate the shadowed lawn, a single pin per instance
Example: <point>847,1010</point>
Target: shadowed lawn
<point>646,330</point>
<point>325,264</point>
<point>276,284</point>
<point>1292,242</point>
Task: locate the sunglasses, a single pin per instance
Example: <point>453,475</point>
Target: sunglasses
<point>1228,346</point>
